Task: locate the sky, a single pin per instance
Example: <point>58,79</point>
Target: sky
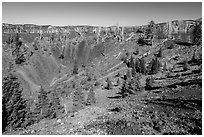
<point>100,14</point>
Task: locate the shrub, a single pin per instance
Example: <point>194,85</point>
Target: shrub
<point>160,53</point>
<point>109,84</point>
<point>118,82</point>
<point>97,83</point>
<point>128,74</point>
<point>149,83</point>
<point>141,41</point>
<point>169,44</point>
<point>136,52</point>
<point>194,59</point>
<point>117,75</point>
<point>185,65</point>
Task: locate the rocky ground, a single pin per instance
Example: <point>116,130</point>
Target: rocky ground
<point>172,106</point>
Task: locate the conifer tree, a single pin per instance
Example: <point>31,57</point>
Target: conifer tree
<point>154,66</point>
<point>137,65</point>
<point>142,66</point>
<point>78,97</point>
<point>197,33</point>
<point>42,105</point>
<point>13,104</point>
<point>165,67</point>
<point>131,63</point>
<point>135,83</point>
<point>133,71</point>
<point>55,108</point>
<point>75,70</point>
<point>124,89</point>
<point>131,86</point>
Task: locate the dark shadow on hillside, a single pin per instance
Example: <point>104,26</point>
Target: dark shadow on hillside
<point>178,71</point>
<point>191,63</point>
<point>115,97</point>
<point>118,95</point>
<point>184,43</point>
<point>196,71</point>
<point>179,103</point>
<point>187,83</point>
<point>195,62</point>
<point>152,88</point>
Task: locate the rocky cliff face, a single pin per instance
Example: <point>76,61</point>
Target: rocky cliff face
<point>179,30</point>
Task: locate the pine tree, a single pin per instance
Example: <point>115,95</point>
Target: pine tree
<point>42,105</point>
<point>197,33</point>
<point>135,84</point>
<point>149,29</point>
<point>55,107</point>
<point>131,63</point>
<point>137,65</point>
<point>124,89</point>
<point>131,86</point>
<point>29,115</point>
<point>133,71</point>
<point>154,66</point>
<point>75,70</point>
<point>165,67</point>
<point>13,104</point>
<point>91,97</point>
<point>78,99</point>
<point>142,66</point>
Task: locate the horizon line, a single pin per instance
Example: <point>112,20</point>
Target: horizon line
<point>96,25</point>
